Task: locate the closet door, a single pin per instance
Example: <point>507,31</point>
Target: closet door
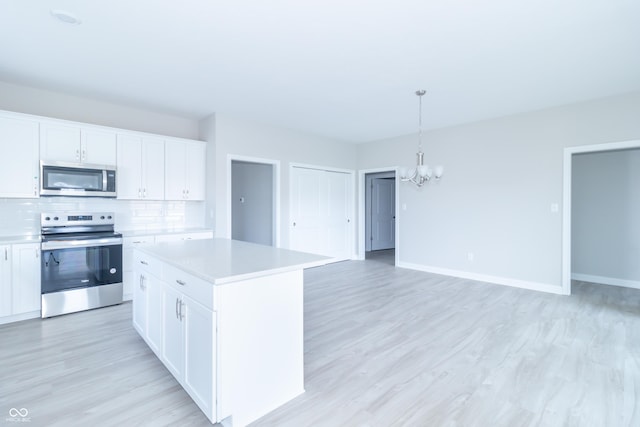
<point>307,210</point>
<point>321,206</point>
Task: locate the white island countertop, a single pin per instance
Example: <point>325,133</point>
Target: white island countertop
<point>220,261</point>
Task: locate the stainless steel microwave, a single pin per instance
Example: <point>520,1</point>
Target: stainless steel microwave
<point>80,180</point>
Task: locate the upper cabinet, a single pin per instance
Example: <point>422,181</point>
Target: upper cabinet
<point>19,164</point>
<point>75,144</point>
<point>148,167</point>
<point>184,170</point>
<point>140,168</point>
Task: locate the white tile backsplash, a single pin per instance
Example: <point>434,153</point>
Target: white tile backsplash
<point>22,216</point>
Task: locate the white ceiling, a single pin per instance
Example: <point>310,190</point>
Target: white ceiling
<point>342,68</point>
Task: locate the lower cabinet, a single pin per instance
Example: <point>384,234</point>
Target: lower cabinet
<point>5,281</point>
<point>188,346</point>
<point>129,243</point>
<point>19,281</point>
<point>147,308</point>
<point>179,330</point>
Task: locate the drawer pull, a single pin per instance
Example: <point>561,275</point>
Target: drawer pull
<point>144,263</point>
<point>180,282</point>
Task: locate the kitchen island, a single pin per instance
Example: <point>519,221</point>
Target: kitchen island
<point>226,319</point>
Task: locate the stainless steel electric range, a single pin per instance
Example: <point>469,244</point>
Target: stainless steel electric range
<point>81,262</point>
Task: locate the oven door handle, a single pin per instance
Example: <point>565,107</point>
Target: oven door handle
<point>88,243</point>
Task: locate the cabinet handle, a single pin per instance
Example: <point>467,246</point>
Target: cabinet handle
<point>84,154</point>
<point>180,282</point>
<point>144,193</point>
<point>37,253</point>
<point>139,193</point>
<point>77,154</point>
<point>177,317</point>
<point>144,263</point>
<point>5,254</point>
<point>181,315</point>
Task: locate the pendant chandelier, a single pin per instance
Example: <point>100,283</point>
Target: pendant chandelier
<point>421,173</point>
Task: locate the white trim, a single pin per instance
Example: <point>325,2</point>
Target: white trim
<point>19,317</point>
<point>610,281</point>
<point>361,210</point>
<point>505,281</point>
<point>276,187</point>
<point>352,228</point>
<point>566,199</point>
<point>319,168</point>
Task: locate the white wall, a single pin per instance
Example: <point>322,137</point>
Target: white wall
<point>23,99</point>
<point>501,178</point>
<point>234,136</point>
<point>606,216</point>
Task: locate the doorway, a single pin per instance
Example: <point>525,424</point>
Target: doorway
<point>378,215</point>
<point>569,156</point>
<point>254,203</point>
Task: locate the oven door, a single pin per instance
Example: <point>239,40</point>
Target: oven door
<point>80,263</point>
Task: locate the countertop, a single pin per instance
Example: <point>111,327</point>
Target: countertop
<point>7,240</point>
<point>220,261</point>
<point>152,232</point>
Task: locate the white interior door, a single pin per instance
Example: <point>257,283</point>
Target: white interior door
<point>307,210</point>
<point>338,221</point>
<point>321,212</point>
<point>383,216</point>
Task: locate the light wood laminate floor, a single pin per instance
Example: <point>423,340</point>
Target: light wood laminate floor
<point>383,347</point>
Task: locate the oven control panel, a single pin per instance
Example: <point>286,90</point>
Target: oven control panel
<point>61,219</point>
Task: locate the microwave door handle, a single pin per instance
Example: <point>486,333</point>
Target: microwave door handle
<point>104,180</point>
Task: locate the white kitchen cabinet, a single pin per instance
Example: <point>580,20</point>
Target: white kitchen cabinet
<point>188,345</point>
<point>154,313</point>
<point>172,333</point>
<point>184,170</point>
<point>129,277</point>
<point>147,309</point>
<point>75,144</point>
<point>199,354</point>
<point>140,304</point>
<point>25,278</point>
<point>19,164</point>
<point>140,163</point>
<point>98,147</point>
<point>5,280</point>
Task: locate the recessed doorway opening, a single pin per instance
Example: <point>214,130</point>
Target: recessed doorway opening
<point>254,203</point>
<point>378,207</point>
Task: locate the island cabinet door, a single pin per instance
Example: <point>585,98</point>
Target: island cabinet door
<point>199,355</point>
<point>172,331</point>
<point>140,303</point>
<point>154,314</point>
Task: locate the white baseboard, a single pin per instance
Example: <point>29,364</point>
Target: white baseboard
<point>19,317</point>
<point>601,280</point>
<point>506,281</point>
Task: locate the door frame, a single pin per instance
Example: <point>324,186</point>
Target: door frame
<point>566,199</point>
<point>276,192</point>
<point>352,212</point>
<point>362,210</point>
